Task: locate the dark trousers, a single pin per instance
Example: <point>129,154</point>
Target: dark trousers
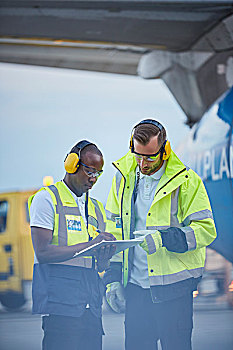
<point>146,322</point>
<point>72,333</point>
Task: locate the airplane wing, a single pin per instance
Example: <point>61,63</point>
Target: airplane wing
<point>189,44</point>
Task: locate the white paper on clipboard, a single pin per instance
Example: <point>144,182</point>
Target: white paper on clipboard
<point>120,246</point>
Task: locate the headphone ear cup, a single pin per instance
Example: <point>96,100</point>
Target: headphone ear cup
<point>71,163</point>
<point>167,150</point>
<point>131,144</point>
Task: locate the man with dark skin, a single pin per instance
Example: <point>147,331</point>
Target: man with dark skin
<point>68,290</point>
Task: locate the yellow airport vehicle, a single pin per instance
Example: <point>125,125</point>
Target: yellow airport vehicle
<point>16,251</point>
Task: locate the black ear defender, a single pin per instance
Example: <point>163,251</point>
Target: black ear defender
<point>166,147</point>
<point>72,159</point>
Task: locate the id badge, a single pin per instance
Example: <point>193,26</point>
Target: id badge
<point>118,222</point>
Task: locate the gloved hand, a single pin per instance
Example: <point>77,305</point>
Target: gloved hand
<point>115,296</point>
<point>152,242</point>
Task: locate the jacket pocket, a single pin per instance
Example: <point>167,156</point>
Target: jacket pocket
<point>64,285</point>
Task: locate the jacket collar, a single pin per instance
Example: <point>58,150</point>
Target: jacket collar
<point>128,164</point>
<point>68,197</point>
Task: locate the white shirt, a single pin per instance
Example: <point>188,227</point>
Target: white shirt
<point>145,196</point>
<point>42,211</point>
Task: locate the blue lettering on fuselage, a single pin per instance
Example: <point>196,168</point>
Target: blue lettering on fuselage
<point>214,164</point>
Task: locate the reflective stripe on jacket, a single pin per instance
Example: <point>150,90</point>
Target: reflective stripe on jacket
<point>180,201</point>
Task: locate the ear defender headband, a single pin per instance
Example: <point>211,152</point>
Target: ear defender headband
<point>166,147</point>
<point>72,159</point>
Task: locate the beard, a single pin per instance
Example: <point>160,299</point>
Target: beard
<point>152,169</point>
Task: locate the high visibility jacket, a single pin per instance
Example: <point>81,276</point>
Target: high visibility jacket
<point>65,288</point>
<point>180,201</point>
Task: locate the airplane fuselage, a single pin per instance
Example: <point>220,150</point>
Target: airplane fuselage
<point>208,150</point>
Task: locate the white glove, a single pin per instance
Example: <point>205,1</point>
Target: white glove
<point>141,233</point>
<point>152,242</point>
<point>115,296</point>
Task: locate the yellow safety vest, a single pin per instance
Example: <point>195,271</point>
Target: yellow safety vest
<point>69,226</point>
<point>180,201</point>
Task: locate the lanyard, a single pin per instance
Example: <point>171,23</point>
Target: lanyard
<point>86,214</point>
<point>136,184</point>
<point>90,238</point>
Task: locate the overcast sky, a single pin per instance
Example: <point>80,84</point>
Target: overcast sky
<point>45,111</point>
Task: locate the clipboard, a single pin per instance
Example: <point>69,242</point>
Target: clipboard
<point>120,246</point>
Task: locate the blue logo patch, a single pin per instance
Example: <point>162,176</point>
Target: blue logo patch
<point>73,225</point>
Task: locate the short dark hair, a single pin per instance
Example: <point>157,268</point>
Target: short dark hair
<point>91,148</point>
<point>144,132</point>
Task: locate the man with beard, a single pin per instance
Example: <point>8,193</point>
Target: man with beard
<point>155,196</point>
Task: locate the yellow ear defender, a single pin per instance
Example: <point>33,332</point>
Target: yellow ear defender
<point>131,143</point>
<point>72,159</point>
<point>71,163</point>
<point>166,147</point>
<point>166,150</point>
